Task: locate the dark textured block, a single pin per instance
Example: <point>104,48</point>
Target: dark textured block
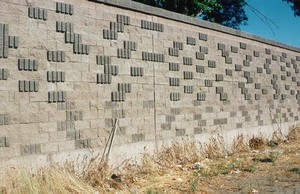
<point>174,52</point>
<point>238,67</point>
<point>188,75</point>
<point>187,61</point>
<point>228,60</point>
<point>124,53</point>
<point>200,69</point>
<point>118,96</point>
<point>259,70</point>
<point>268,51</point>
<point>228,72</point>
<point>208,83</point>
<point>174,81</point>
<point>221,46</point>
<point>180,132</point>
<point>191,41</point>
<point>234,49</point>
<point>248,57</point>
<point>203,36</point>
<point>173,66</point>
<point>203,49</point>
<point>219,77</point>
<point>136,71</point>
<point>200,56</point>
<point>255,53</point>
<point>188,89</point>
<point>211,64</point>
<point>257,85</point>
<point>175,96</point>
<point>222,121</point>
<point>123,19</point>
<point>103,60</point>
<point>243,45</point>
<point>246,63</point>
<point>201,96</point>
<point>274,57</point>
<point>178,45</point>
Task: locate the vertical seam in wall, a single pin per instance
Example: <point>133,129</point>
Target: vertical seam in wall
<point>154,97</point>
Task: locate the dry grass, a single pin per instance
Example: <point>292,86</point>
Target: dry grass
<point>181,167</point>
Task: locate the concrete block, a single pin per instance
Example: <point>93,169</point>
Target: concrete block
<point>203,37</point>
<point>200,69</point>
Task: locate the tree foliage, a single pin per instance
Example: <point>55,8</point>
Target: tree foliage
<point>229,13</point>
<point>295,4</point>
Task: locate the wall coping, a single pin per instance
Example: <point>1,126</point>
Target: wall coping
<point>139,7</point>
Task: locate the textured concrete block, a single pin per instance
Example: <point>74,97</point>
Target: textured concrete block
<point>174,81</point>
<point>4,74</point>
<point>211,64</point>
<point>208,83</point>
<point>124,87</point>
<point>228,72</point>
<point>200,69</point>
<point>175,96</point>
<point>104,78</point>
<point>200,56</point>
<point>188,89</point>
<point>178,45</point>
<point>243,45</point>
<point>137,71</point>
<point>201,96</point>
<point>129,45</point>
<point>173,66</point>
<point>118,96</point>
<point>234,49</point>
<point>188,75</point>
<point>191,41</point>
<point>203,37</point>
<point>123,19</point>
<point>174,52</point>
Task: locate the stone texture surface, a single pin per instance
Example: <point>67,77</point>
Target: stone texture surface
<point>85,67</point>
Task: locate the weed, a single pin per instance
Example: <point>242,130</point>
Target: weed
<point>273,156</point>
<point>295,170</point>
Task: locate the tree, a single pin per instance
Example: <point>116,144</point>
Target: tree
<point>228,13</point>
<point>295,6</point>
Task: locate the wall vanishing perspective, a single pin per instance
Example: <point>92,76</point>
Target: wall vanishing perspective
<point>72,69</point>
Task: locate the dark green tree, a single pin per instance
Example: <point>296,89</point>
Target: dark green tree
<point>295,4</point>
<point>228,13</point>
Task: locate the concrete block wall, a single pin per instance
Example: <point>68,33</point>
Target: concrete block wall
<point>72,69</point>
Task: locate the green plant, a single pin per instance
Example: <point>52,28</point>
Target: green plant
<point>295,170</point>
<point>273,156</point>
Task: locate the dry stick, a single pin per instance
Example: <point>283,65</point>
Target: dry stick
<point>112,138</point>
<point>109,141</point>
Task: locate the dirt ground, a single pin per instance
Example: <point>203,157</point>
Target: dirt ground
<point>255,166</point>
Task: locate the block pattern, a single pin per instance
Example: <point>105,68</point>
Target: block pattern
<point>7,41</point>
<point>123,19</point>
<point>4,74</point>
<point>28,86</point>
<point>56,76</point>
<point>155,57</point>
<point>57,96</point>
<point>28,65</point>
<point>37,13</point>
<point>64,8</point>
<point>152,26</point>
<point>56,56</point>
<point>4,142</point>
<point>4,119</point>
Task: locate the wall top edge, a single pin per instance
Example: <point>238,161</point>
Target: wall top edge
<point>139,7</point>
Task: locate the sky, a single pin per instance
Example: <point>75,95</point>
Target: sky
<point>288,26</point>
